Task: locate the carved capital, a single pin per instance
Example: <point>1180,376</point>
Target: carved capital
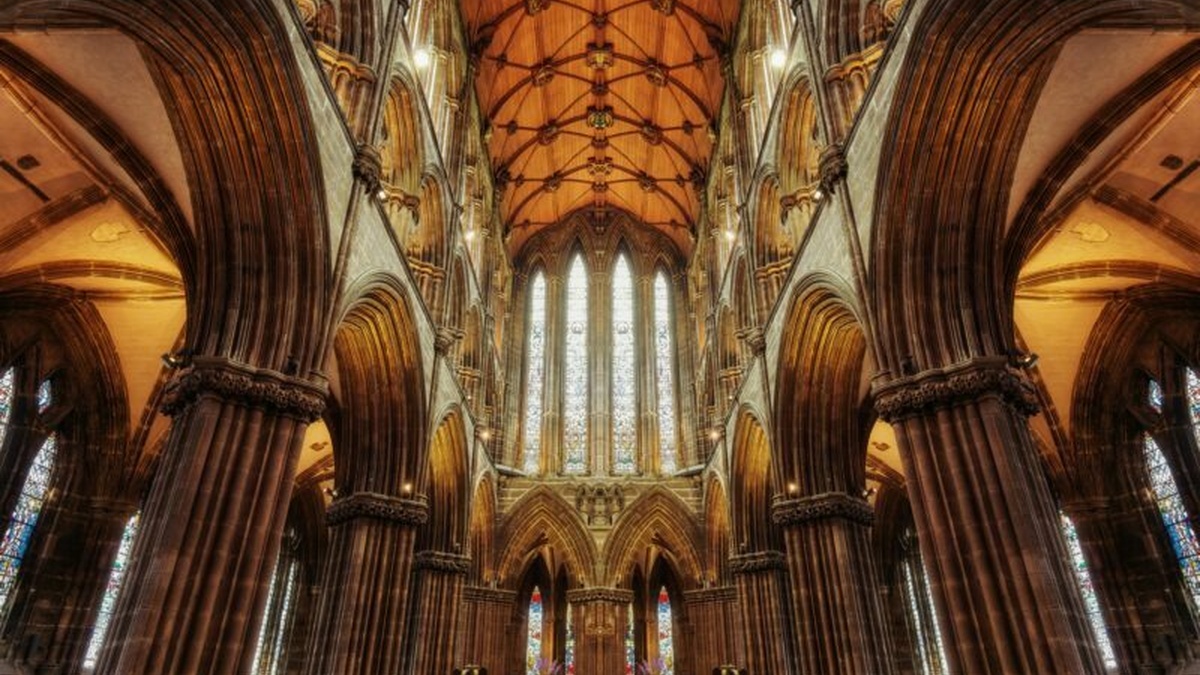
<point>483,594</point>
<point>444,340</point>
<point>440,561</point>
<point>714,594</point>
<point>832,167</point>
<point>367,167</point>
<point>619,596</point>
<point>379,507</point>
<point>822,507</point>
<point>759,561</point>
<point>239,383</point>
<point>956,385</point>
<point>755,341</point>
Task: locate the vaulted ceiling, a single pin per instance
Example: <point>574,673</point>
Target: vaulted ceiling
<point>600,104</point>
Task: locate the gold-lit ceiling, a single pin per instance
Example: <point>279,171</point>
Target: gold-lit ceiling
<point>599,104</point>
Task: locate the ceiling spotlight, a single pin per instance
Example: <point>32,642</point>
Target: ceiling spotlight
<point>421,58</point>
<point>778,57</point>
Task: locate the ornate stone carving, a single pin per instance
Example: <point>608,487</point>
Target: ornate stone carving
<point>942,388</point>
<point>379,507</point>
<point>820,507</point>
<point>759,561</point>
<point>236,382</point>
<point>440,561</point>
<point>600,504</point>
<point>832,167</point>
<point>620,596</point>
<point>367,167</point>
<point>714,594</point>
<point>497,596</point>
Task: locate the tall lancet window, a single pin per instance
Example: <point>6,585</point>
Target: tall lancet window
<point>575,370</point>
<point>533,635</point>
<point>624,401</point>
<point>29,504</point>
<point>630,648</point>
<point>535,373</point>
<point>664,358</point>
<point>1083,577</point>
<point>1193,400</point>
<point>1171,507</point>
<point>569,650</point>
<point>270,654</point>
<point>116,576</point>
<point>927,633</point>
<point>666,639</point>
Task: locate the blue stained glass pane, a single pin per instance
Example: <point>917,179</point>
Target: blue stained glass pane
<point>666,641</point>
<point>1090,600</point>
<point>664,357</point>
<point>6,400</point>
<point>535,373</point>
<point>1154,395</point>
<point>116,576</point>
<point>44,396</point>
<point>624,402</point>
<point>533,642</point>
<point>24,518</point>
<point>1174,515</point>
<point>575,370</point>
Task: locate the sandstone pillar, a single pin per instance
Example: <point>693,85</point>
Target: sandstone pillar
<point>212,524</point>
<point>986,521</point>
<point>360,621</point>
<point>600,616</point>
<point>766,630</point>
<point>438,590</point>
<point>711,611</point>
<point>484,639</point>
<point>835,592</point>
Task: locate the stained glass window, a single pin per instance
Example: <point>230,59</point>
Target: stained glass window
<point>569,650</point>
<point>6,399</point>
<point>624,403</point>
<point>1174,515</point>
<point>24,518</point>
<point>270,654</point>
<point>533,642</point>
<point>44,398</point>
<point>1090,601</point>
<point>665,364</point>
<point>927,634</point>
<point>630,650</point>
<point>666,643</point>
<point>575,370</point>
<point>1193,402</point>
<point>535,369</point>
<point>116,575</point>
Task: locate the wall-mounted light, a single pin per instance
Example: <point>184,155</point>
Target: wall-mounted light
<point>818,195</point>
<point>406,488</point>
<point>793,489</point>
<point>485,435</point>
<point>1024,360</point>
<point>422,58</point>
<point>730,235</point>
<point>469,235</point>
<point>179,359</point>
<point>381,195</point>
<point>778,57</point>
<point>714,434</point>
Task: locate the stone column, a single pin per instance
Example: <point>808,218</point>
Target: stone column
<point>212,524</point>
<point>484,638</point>
<point>766,630</point>
<point>361,618</point>
<point>835,592</point>
<point>437,588</point>
<point>986,521</point>
<point>711,611</point>
<point>53,623</point>
<point>600,620</point>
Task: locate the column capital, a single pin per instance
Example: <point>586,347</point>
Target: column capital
<point>228,380</point>
<point>618,596</point>
<point>379,507</point>
<point>441,561</point>
<point>830,505</point>
<point>759,561</point>
<point>832,167</point>
<point>367,167</point>
<point>954,385</point>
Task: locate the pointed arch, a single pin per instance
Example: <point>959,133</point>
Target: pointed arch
<point>752,486</point>
<point>542,518</point>
<point>656,519</point>
<point>446,485</point>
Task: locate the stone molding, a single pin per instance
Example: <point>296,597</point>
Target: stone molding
<point>759,561</point>
<point>600,594</point>
<point>963,383</point>
<point>440,561</point>
<point>829,505</point>
<point>379,507</point>
<point>715,594</point>
<point>238,383</point>
<point>499,596</point>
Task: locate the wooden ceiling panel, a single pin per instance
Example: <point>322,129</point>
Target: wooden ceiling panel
<point>599,104</point>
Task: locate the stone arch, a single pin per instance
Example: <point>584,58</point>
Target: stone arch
<point>446,486</point>
<point>543,519</point>
<point>427,243</point>
<point>752,486</point>
<point>965,311</point>
<point>380,430</point>
<point>657,519</point>
<point>718,531</point>
<point>821,410</point>
<point>481,532</point>
<point>401,157</point>
<point>773,245</point>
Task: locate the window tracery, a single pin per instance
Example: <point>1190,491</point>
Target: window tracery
<point>535,373</point>
<point>665,367</point>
